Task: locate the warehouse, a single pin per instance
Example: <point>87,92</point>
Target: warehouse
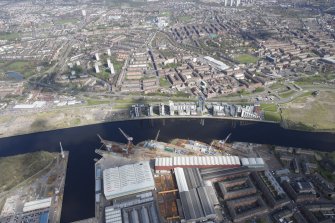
<point>169,163</point>
<point>127,180</point>
<point>253,162</point>
<point>195,199</point>
<point>37,205</point>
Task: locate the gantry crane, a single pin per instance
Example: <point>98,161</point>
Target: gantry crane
<point>130,141</point>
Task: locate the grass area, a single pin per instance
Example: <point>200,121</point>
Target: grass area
<point>246,58</point>
<point>308,80</point>
<point>287,94</point>
<point>104,74</point>
<point>185,18</point>
<point>326,174</point>
<point>16,169</point>
<point>26,68</point>
<point>163,82</point>
<point>96,102</point>
<point>117,65</point>
<point>167,53</point>
<point>272,116</point>
<point>276,86</point>
<point>171,65</point>
<point>9,36</point>
<point>165,13</point>
<point>311,113</point>
<point>269,107</point>
<point>65,21</point>
<point>258,90</point>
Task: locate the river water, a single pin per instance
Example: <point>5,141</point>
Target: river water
<point>82,141</point>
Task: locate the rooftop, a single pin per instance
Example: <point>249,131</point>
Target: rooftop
<point>127,179</point>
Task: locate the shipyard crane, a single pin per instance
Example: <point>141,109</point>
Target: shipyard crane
<point>105,143</point>
<point>130,141</point>
<point>157,135</point>
<point>61,150</point>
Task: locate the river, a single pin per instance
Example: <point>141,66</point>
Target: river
<point>82,141</point>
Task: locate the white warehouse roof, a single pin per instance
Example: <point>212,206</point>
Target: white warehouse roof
<point>128,179</point>
<point>219,64</point>
<point>252,162</point>
<point>196,161</point>
<point>37,204</point>
<point>113,215</point>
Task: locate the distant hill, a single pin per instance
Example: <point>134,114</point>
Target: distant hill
<point>16,169</point>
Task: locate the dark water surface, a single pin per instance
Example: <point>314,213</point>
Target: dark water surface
<point>82,141</point>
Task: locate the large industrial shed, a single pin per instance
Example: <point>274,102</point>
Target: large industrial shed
<point>169,163</point>
<point>127,180</point>
<point>196,203</point>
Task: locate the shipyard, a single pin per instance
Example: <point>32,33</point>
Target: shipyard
<point>185,180</point>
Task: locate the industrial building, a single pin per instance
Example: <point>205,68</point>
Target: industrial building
<point>236,188</point>
<point>196,203</point>
<point>168,163</point>
<point>127,180</point>
<point>253,162</point>
<point>272,192</point>
<point>300,190</point>
<point>216,63</point>
<point>37,205</point>
<point>131,212</point>
<point>254,206</point>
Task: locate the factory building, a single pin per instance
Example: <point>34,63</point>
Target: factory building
<point>245,208</point>
<point>139,208</point>
<point>37,205</point>
<point>272,192</point>
<point>127,180</point>
<point>216,63</point>
<point>196,203</point>
<point>236,188</point>
<point>168,163</point>
<point>219,174</point>
<point>253,162</point>
<point>300,190</point>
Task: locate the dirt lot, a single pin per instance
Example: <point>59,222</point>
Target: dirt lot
<point>35,121</point>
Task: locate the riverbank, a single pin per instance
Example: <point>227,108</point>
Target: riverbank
<point>75,116</point>
<point>292,115</point>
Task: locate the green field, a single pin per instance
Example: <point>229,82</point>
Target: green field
<point>66,21</point>
<point>16,169</point>
<point>269,107</point>
<point>96,102</point>
<point>9,36</point>
<point>311,113</point>
<point>246,58</point>
<point>272,116</point>
<point>287,94</point>
<point>185,18</point>
<point>163,82</point>
<point>26,68</point>
<point>276,85</point>
<point>308,80</point>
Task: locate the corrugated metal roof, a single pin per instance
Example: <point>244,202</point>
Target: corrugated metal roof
<point>37,204</point>
<point>113,215</point>
<point>252,161</point>
<point>128,179</point>
<point>181,180</point>
<point>197,161</point>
